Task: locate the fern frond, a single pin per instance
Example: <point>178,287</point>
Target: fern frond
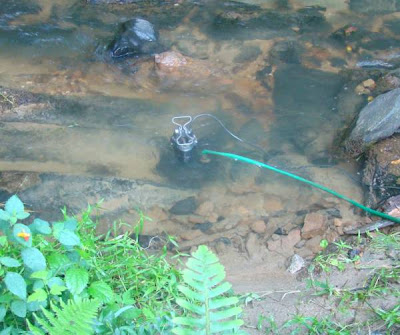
<point>209,311</point>
<point>73,318</point>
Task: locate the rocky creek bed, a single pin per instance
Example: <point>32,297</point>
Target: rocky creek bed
<point>316,88</point>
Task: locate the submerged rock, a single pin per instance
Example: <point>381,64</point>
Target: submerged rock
<point>135,37</point>
<point>378,120</point>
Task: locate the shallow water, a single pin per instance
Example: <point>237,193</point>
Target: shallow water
<point>270,70</point>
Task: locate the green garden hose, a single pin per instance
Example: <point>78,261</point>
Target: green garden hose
<point>291,175</point>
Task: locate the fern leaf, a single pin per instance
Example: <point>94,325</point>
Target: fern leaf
<point>74,317</point>
<point>208,311</point>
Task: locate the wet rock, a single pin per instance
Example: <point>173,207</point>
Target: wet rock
<point>375,6</point>
<point>204,227</point>
<point>392,206</point>
<point>169,61</point>
<point>314,224</point>
<point>247,54</point>
<point>382,170</point>
<point>312,93</point>
<point>135,37</point>
<point>287,52</point>
<point>387,83</point>
<point>378,120</point>
<point>184,207</point>
<point>296,264</point>
<point>14,182</point>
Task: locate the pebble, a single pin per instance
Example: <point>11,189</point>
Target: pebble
<point>296,264</point>
<point>258,227</point>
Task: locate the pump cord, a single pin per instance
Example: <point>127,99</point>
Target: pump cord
<point>229,132</point>
<point>303,180</point>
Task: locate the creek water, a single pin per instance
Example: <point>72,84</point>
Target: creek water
<point>272,71</point>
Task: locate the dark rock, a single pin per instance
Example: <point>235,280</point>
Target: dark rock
<point>184,207</point>
<point>203,227</point>
<point>307,98</point>
<point>247,54</point>
<point>375,6</point>
<point>135,37</point>
<point>378,120</point>
<point>382,170</point>
<point>285,52</point>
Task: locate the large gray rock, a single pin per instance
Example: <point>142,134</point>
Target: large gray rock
<point>378,120</point>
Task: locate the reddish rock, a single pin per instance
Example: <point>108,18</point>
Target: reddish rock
<point>196,219</point>
<point>258,227</point>
<point>313,244</point>
<point>169,60</point>
<point>314,224</point>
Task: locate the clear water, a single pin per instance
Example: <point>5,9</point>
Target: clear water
<point>270,70</point>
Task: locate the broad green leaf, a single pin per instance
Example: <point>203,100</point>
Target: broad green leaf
<point>18,307</point>
<point>40,226</point>
<point>22,234</point>
<point>6,298</point>
<point>22,215</point>
<point>3,241</point>
<point>76,280</point>
<point>42,274</point>
<point>38,295</point>
<point>16,284</point>
<point>33,259</point>
<point>57,289</point>
<point>10,262</point>
<point>35,306</point>
<point>7,331</point>
<point>70,224</point>
<point>4,216</point>
<point>58,261</point>
<point>55,281</point>
<point>3,312</point>
<point>101,291</point>
<point>57,228</point>
<point>14,205</point>
<point>37,284</point>
<point>68,238</point>
<point>226,326</point>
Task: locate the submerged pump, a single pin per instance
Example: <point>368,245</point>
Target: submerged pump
<point>183,140</point>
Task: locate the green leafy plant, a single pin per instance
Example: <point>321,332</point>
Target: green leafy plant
<point>73,318</point>
<point>209,311</point>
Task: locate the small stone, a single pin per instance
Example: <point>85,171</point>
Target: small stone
<point>314,244</point>
<point>213,217</point>
<point>314,224</point>
<point>360,89</point>
<point>169,60</point>
<point>258,227</point>
<point>205,208</point>
<point>184,207</point>
<point>300,244</point>
<point>369,83</point>
<point>337,222</point>
<point>296,264</point>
